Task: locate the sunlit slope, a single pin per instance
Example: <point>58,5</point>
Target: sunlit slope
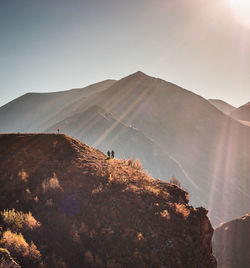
<point>242,113</point>
<point>222,106</point>
<point>231,243</point>
<point>95,212</point>
<point>213,148</point>
<point>101,130</point>
<point>36,111</point>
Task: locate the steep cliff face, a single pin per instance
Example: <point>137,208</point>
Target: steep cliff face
<point>90,211</point>
<point>231,243</point>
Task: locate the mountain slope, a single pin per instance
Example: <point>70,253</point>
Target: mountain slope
<point>242,113</point>
<point>31,111</point>
<point>212,148</point>
<point>101,130</point>
<point>88,211</point>
<point>223,106</point>
<point>231,243</point>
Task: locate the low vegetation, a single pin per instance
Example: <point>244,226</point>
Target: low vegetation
<point>84,210</point>
<point>17,220</point>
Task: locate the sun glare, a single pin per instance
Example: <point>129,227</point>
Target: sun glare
<point>241,10</point>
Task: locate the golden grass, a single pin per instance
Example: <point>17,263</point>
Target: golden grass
<point>18,220</point>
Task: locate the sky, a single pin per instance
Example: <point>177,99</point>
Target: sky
<point>53,45</point>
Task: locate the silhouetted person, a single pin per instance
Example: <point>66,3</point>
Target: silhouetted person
<point>58,130</point>
<point>108,153</point>
<point>112,154</point>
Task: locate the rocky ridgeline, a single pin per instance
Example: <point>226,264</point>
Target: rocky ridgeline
<point>90,211</point>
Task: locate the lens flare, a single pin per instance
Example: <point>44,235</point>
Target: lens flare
<point>241,10</point>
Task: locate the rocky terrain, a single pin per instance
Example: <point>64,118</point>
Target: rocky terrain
<point>231,243</point>
<point>65,204</point>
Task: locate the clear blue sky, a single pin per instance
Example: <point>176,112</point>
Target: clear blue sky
<point>50,45</point>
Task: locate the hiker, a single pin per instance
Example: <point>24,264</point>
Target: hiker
<point>58,129</point>
<point>108,153</point>
<point>112,154</point>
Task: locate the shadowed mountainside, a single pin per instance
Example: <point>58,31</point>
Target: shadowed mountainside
<point>75,208</point>
<point>223,106</point>
<point>99,128</point>
<point>242,113</point>
<point>35,111</point>
<point>231,243</point>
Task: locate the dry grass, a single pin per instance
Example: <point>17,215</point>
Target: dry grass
<point>17,220</point>
<point>18,247</point>
<point>51,184</point>
<point>93,211</point>
<point>182,209</point>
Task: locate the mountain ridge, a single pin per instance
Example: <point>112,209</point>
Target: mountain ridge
<point>91,211</point>
<point>210,146</point>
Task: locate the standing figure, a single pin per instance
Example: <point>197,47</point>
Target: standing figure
<point>112,154</point>
<point>58,129</point>
<point>108,153</point>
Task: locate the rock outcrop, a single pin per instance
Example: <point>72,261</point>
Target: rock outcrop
<point>97,212</point>
<point>231,243</point>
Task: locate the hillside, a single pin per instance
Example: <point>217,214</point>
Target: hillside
<point>33,111</point>
<point>242,113</point>
<point>212,148</point>
<point>223,106</point>
<point>209,147</point>
<point>76,208</point>
<point>99,128</point>
<point>231,243</point>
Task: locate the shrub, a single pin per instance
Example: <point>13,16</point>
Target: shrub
<point>15,243</point>
<point>13,219</point>
<point>18,247</point>
<point>137,164</point>
<point>17,220</point>
<point>175,181</point>
<point>51,184</point>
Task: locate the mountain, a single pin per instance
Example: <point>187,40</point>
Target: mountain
<point>242,113</point>
<point>211,148</point>
<point>65,204</point>
<point>223,106</point>
<point>231,243</point>
<point>31,111</point>
<point>99,128</point>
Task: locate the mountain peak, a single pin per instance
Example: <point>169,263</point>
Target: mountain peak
<point>139,74</point>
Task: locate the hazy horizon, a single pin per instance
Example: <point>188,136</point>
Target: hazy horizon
<point>58,45</point>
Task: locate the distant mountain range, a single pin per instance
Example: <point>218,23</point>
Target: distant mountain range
<point>222,106</point>
<point>172,130</point>
<point>35,111</point>
<point>242,113</point>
